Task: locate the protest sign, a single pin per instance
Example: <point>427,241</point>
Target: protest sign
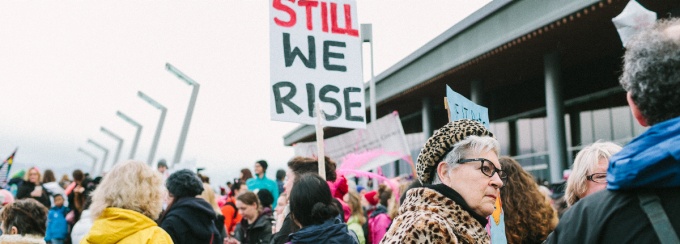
<point>316,58</point>
<point>382,142</point>
<point>462,108</point>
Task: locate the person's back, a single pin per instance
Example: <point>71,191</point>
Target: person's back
<point>117,225</point>
<point>648,168</point>
<point>188,219</point>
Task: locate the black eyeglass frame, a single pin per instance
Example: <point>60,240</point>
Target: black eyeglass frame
<point>501,173</point>
<point>590,177</point>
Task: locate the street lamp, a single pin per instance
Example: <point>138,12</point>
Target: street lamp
<point>367,36</point>
<point>159,128</point>
<point>139,131</point>
<point>190,110</point>
<point>120,143</point>
<point>106,153</point>
<point>94,158</point>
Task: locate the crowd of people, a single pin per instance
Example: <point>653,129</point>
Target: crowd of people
<point>614,194</point>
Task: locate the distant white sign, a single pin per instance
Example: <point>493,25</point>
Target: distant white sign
<point>382,142</point>
<point>462,108</point>
<point>316,57</point>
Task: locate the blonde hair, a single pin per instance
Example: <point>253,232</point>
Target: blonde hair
<point>28,174</point>
<point>209,196</point>
<point>130,185</point>
<point>585,163</point>
<point>354,202</point>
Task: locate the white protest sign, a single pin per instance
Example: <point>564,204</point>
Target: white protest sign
<point>316,56</point>
<point>382,142</point>
<point>462,108</point>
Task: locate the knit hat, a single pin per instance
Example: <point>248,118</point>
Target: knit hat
<point>371,197</point>
<point>442,142</point>
<point>263,164</point>
<point>184,183</point>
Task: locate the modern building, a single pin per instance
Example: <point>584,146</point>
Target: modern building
<point>547,71</point>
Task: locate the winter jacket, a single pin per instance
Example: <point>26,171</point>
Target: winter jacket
<point>378,223</point>
<point>117,225</point>
<point>354,225</point>
<point>264,183</point>
<point>57,228</point>
<point>258,232</point>
<point>21,239</point>
<point>436,214</point>
<point>231,215</point>
<point>332,231</point>
<point>648,164</point>
<point>82,227</point>
<point>191,220</point>
<point>25,190</point>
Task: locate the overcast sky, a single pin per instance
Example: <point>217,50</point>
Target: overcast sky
<point>66,67</point>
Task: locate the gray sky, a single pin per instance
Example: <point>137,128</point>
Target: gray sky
<point>66,67</point>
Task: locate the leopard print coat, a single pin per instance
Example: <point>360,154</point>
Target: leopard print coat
<point>427,216</point>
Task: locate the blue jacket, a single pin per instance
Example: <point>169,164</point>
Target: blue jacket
<point>57,228</point>
<point>652,160</point>
<point>332,231</point>
<point>264,183</point>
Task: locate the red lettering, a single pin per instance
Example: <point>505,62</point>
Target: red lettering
<point>324,17</point>
<point>308,4</point>
<point>291,13</point>
<point>334,20</point>
<point>348,22</point>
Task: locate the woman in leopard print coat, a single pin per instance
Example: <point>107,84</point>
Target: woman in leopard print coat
<point>461,174</point>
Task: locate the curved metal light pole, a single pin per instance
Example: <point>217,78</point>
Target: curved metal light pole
<point>190,110</point>
<point>106,154</point>
<point>120,143</point>
<point>159,128</point>
<point>139,131</point>
<point>94,158</point>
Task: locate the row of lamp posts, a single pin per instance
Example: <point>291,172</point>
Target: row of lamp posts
<point>159,128</point>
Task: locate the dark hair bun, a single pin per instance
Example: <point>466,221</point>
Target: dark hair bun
<point>184,183</point>
<point>324,211</point>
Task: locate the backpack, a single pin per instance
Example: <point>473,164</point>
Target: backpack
<point>235,209</point>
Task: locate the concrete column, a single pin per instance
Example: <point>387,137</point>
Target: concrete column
<point>476,92</point>
<point>555,110</point>
<point>514,139</point>
<point>427,117</point>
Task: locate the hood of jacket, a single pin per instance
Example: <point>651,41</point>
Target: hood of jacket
<point>378,210</point>
<point>19,239</point>
<point>196,213</point>
<point>330,231</point>
<point>116,224</point>
<point>652,160</point>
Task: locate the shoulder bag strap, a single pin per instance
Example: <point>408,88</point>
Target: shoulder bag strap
<point>651,204</point>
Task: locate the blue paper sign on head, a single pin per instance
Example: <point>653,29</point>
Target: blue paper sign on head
<point>462,108</point>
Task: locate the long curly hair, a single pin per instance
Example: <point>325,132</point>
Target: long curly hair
<point>529,218</point>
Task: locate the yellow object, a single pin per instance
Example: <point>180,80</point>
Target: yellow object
<point>117,225</point>
<point>497,212</point>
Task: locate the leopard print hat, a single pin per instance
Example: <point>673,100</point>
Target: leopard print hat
<point>442,142</point>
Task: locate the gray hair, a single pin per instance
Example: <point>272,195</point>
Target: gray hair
<point>469,146</point>
<point>651,71</point>
<point>585,163</point>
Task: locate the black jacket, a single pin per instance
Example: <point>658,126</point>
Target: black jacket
<point>258,232</point>
<point>191,220</point>
<point>614,217</point>
<point>25,189</point>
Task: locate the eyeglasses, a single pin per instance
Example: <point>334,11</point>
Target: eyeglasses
<point>487,168</point>
<point>597,177</point>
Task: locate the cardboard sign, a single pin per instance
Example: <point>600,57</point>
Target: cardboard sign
<point>383,141</point>
<point>316,58</point>
<point>462,108</point>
